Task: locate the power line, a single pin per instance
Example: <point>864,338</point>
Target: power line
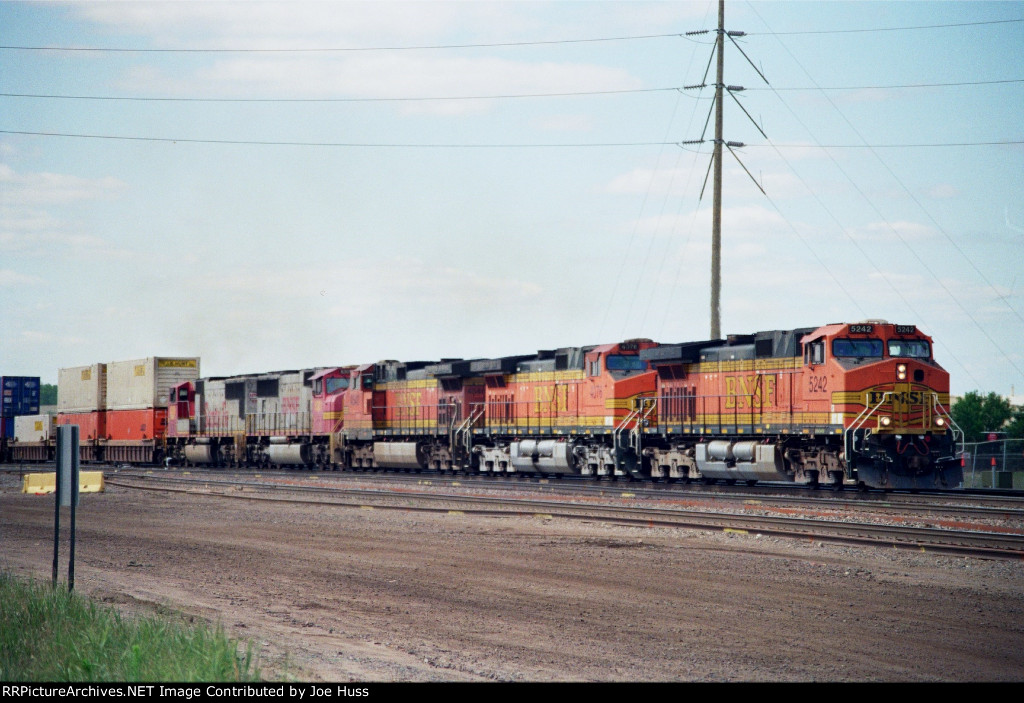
<point>260,142</point>
<point>885,29</point>
<point>129,50</point>
<point>897,87</point>
<point>427,47</point>
<point>956,299</point>
<point>1005,142</point>
<point>336,100</point>
<point>624,91</point>
<point>254,142</point>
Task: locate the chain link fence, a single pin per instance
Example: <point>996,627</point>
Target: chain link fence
<point>998,464</point>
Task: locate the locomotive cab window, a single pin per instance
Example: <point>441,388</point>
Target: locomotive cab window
<point>912,348</point>
<point>619,362</point>
<point>318,387</point>
<point>814,353</point>
<point>857,348</point>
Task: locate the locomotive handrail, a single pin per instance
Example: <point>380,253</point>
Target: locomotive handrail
<point>636,434</point>
<point>858,423</point>
<point>616,437</point>
<point>952,423</point>
<point>462,434</point>
<point>282,423</point>
<point>646,405</point>
<point>409,416</point>
<point>505,421</point>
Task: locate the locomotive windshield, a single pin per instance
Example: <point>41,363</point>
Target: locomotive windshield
<point>336,384</point>
<point>913,348</point>
<point>858,348</point>
<point>618,362</point>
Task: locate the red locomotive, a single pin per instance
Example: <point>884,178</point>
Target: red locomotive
<point>842,403</point>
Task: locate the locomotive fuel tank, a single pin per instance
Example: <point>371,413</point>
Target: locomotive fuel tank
<point>548,456</point>
<point>398,455</point>
<point>288,454</point>
<point>744,461</point>
<point>201,453</point>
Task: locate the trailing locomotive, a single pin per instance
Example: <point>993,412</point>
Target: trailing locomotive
<point>863,403</point>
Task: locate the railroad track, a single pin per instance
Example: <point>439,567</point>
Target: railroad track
<point>945,506</point>
<point>963,542</point>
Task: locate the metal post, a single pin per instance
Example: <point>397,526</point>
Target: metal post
<point>56,513</point>
<point>74,504</point>
<point>66,485</point>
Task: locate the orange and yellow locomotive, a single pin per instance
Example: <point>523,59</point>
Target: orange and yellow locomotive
<point>862,403</point>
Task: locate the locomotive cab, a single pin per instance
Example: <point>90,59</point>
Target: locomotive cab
<point>181,409</point>
<point>624,375</point>
<point>888,397</point>
<point>329,387</point>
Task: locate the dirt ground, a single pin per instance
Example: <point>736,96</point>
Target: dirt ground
<point>340,594</point>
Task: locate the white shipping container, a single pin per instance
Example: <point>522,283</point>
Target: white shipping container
<point>35,428</point>
<point>82,389</point>
<point>140,384</point>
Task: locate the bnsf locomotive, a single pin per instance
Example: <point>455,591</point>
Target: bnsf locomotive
<point>863,403</point>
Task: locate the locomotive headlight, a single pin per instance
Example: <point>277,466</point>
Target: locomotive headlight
<point>939,422</point>
<point>884,421</point>
<point>901,372</point>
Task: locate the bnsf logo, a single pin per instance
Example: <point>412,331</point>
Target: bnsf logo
<point>904,397</point>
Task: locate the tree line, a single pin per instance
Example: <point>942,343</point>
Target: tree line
<point>978,414</point>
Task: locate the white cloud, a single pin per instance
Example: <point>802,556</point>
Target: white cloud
<point>943,191</point>
<point>673,181</point>
<point>55,188</point>
<point>403,76</point>
<point>307,28</point>
<point>30,232</point>
<point>907,231</point>
<point>9,278</point>
<point>275,25</point>
<point>564,123</point>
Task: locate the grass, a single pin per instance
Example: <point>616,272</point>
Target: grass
<point>50,634</point>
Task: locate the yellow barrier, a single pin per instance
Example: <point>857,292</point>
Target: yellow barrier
<point>40,484</point>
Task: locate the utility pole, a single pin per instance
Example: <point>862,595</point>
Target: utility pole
<point>716,158</point>
<point>716,216</point>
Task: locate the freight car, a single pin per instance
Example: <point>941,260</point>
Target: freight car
<point>863,402</point>
<point>120,408</point>
<point>19,397</point>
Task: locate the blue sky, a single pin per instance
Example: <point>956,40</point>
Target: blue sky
<point>301,207</point>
